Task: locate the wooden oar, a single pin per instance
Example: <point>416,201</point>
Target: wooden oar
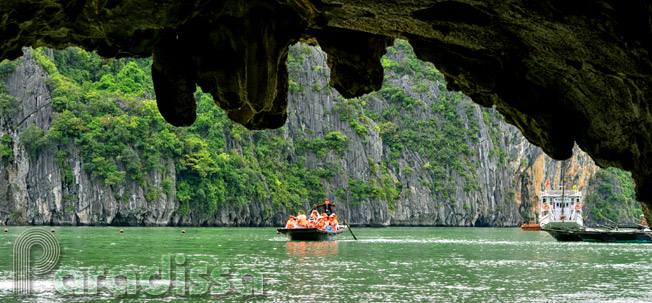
<point>349,227</point>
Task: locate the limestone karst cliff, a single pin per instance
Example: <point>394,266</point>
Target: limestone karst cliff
<point>411,154</point>
<point>542,64</point>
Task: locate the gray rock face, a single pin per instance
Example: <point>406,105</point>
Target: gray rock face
<point>36,192</point>
<point>509,171</point>
<point>509,188</point>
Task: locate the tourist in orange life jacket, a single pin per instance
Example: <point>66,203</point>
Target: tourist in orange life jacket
<point>332,223</point>
<point>320,224</point>
<point>323,221</point>
<point>328,207</point>
<point>314,215</point>
<point>311,223</point>
<point>291,223</point>
<point>301,220</point>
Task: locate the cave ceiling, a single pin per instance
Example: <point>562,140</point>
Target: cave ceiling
<point>563,72</point>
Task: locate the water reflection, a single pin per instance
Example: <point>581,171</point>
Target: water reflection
<point>320,249</point>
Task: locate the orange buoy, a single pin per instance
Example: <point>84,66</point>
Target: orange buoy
<point>546,207</point>
<point>577,206</point>
<point>183,231</point>
<point>52,230</point>
<point>6,230</point>
<point>121,231</point>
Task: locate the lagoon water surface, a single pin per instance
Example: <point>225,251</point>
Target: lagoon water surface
<point>384,265</point>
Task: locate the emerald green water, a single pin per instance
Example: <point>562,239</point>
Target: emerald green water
<point>385,265</point>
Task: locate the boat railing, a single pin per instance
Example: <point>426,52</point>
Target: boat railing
<point>551,192</point>
<point>557,188</point>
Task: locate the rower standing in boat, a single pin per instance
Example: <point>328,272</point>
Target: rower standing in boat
<point>327,207</point>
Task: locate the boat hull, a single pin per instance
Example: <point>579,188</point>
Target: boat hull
<point>563,235</point>
<point>310,234</point>
<point>598,235</point>
<point>617,236</point>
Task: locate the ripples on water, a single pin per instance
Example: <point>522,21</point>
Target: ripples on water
<point>385,265</point>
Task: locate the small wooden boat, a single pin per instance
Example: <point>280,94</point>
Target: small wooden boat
<point>530,226</point>
<point>311,234</point>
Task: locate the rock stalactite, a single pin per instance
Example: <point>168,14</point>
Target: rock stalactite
<point>562,72</point>
<point>354,60</point>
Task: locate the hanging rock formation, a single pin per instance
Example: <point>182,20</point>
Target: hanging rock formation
<point>563,72</point>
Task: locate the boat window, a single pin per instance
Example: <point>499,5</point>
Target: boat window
<point>544,200</point>
<point>577,200</point>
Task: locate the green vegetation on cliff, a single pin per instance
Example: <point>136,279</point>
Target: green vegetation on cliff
<point>8,105</point>
<point>612,197</point>
<point>105,109</point>
<point>440,133</point>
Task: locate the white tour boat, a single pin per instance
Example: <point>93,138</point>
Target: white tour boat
<point>561,208</point>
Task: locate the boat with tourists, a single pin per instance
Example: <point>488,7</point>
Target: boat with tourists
<point>316,227</point>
